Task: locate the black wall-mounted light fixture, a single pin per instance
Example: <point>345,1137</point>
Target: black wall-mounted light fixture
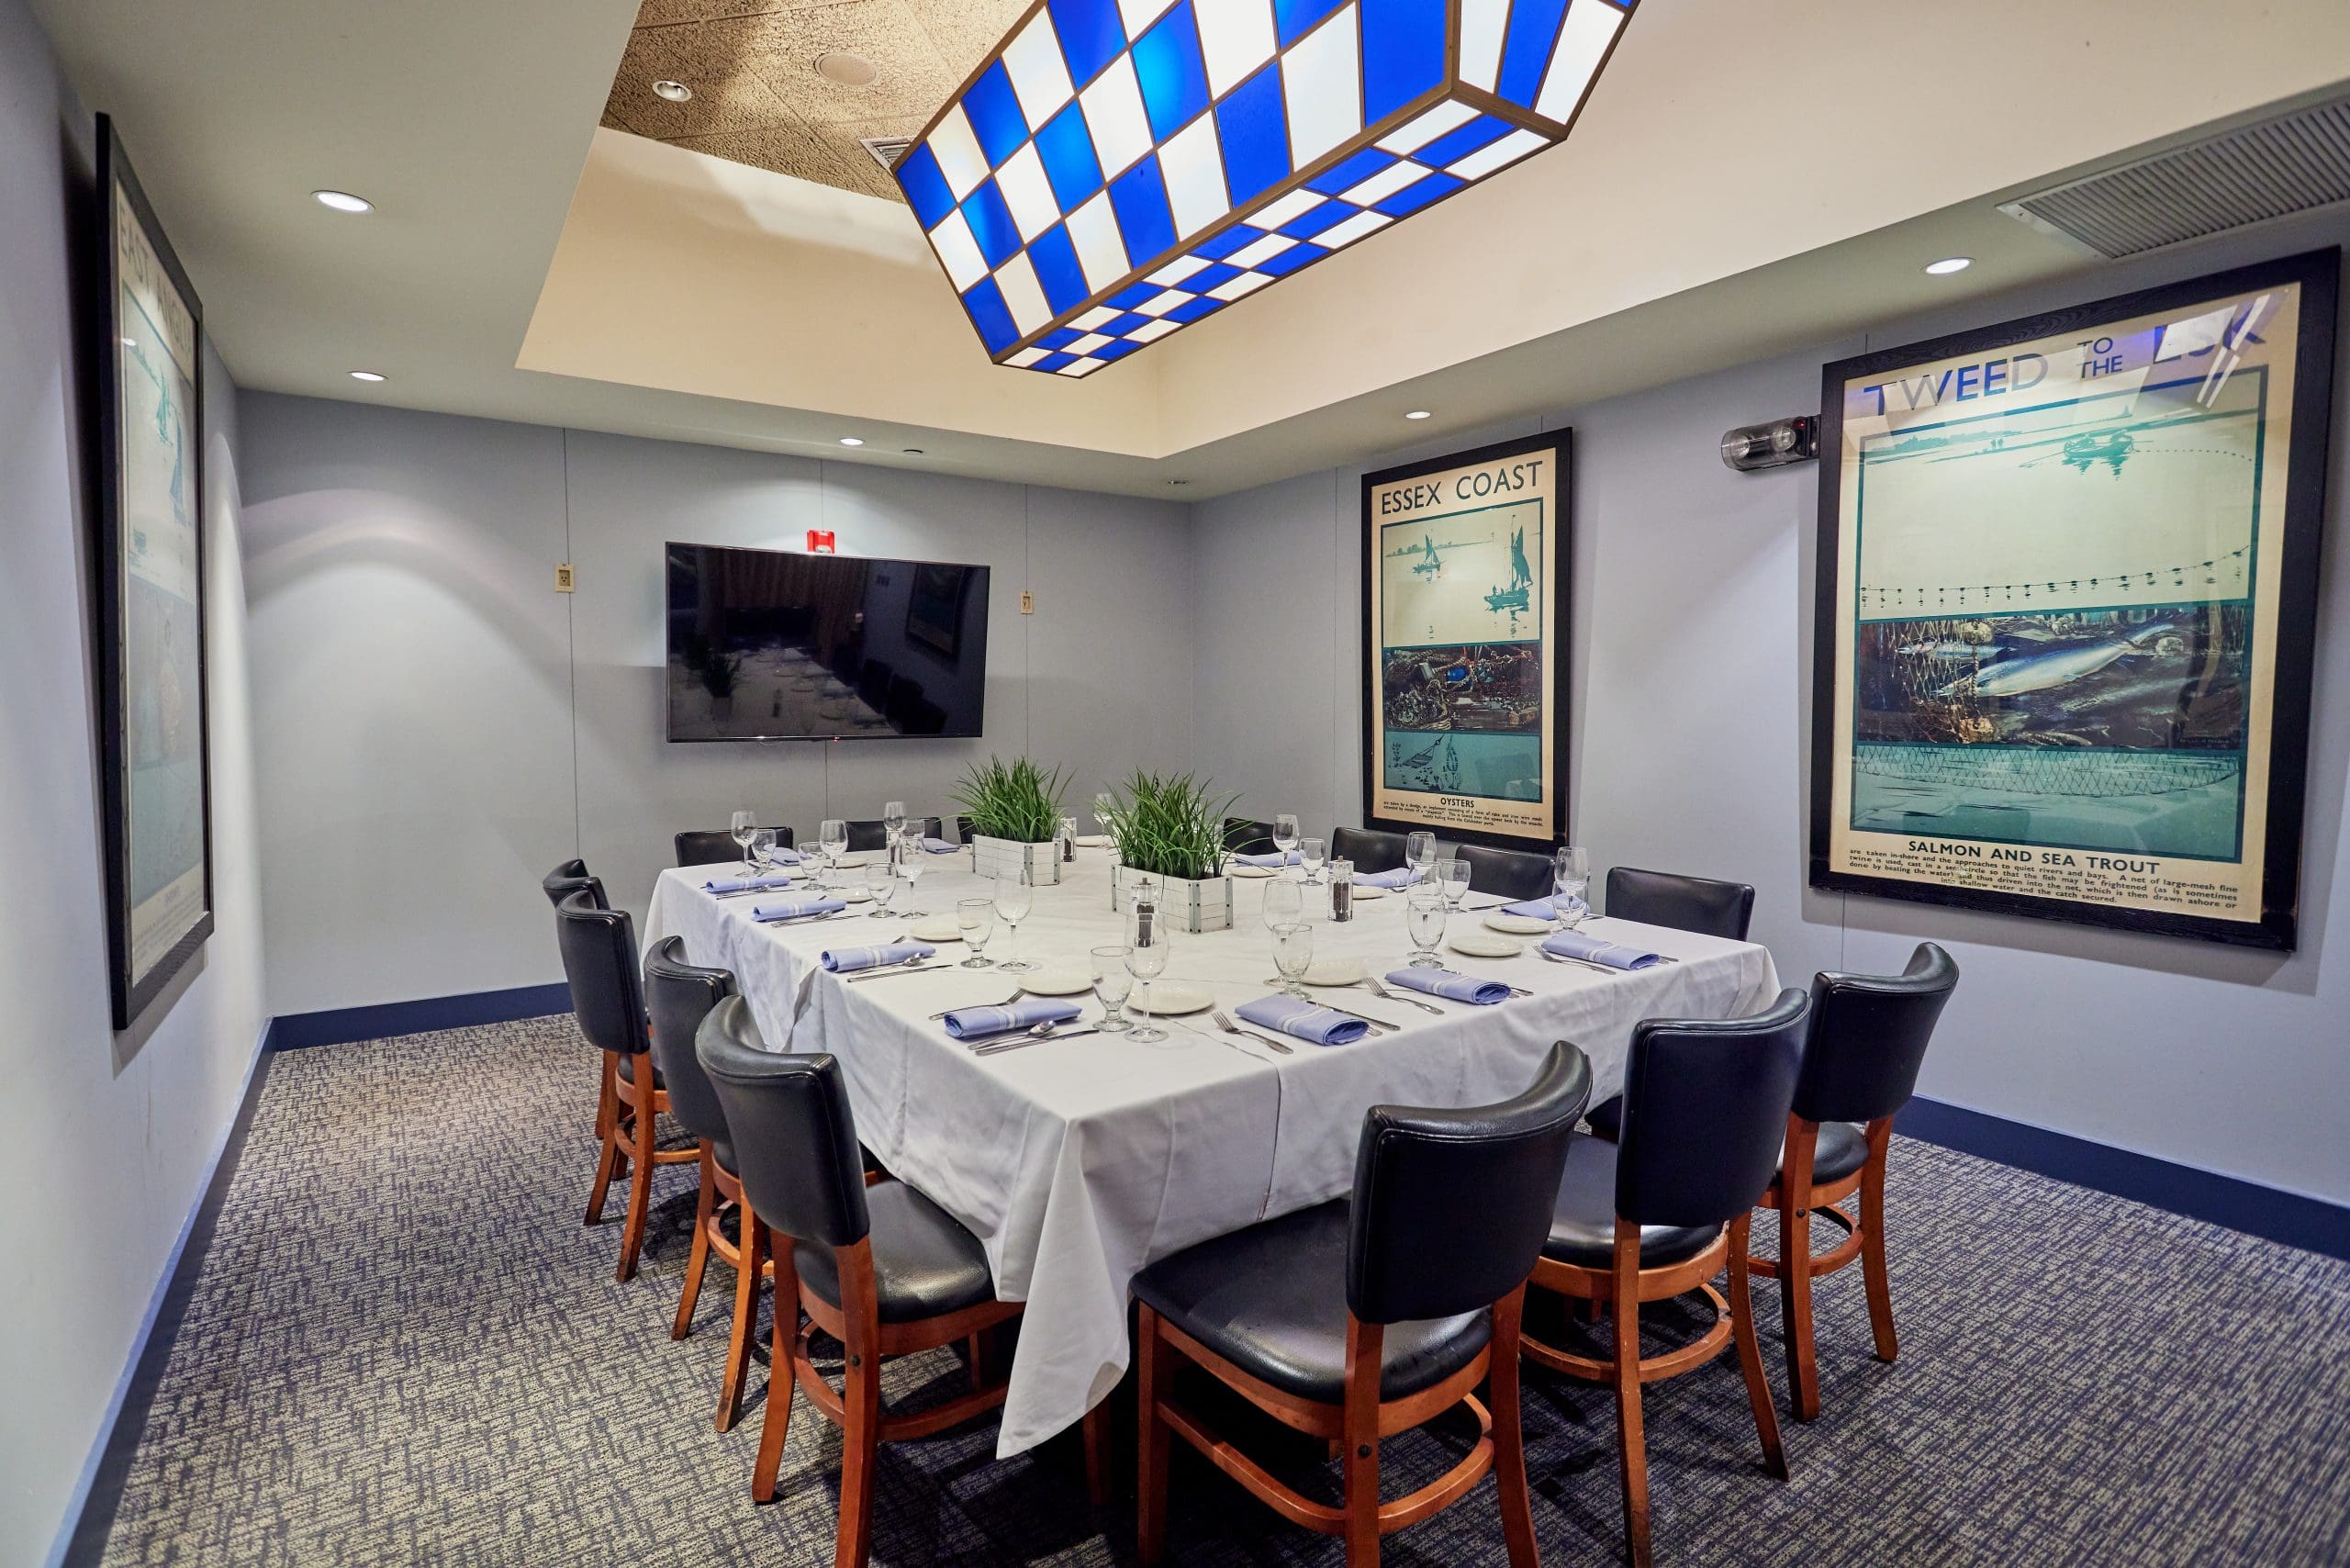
<point>1750,448</point>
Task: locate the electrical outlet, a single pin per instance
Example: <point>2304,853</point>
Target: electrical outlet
<point>562,581</point>
<point>1027,602</point>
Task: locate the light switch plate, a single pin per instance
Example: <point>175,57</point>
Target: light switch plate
<point>562,581</point>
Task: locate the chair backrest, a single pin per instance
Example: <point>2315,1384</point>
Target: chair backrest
<point>866,836</point>
<point>795,1142</point>
<point>1369,849</point>
<point>570,878</point>
<point>1512,873</point>
<point>1242,836</point>
<point>1451,1207</point>
<point>1868,1038</point>
<point>678,996</point>
<point>1704,1111</point>
<point>1684,903</point>
<point>599,960</point>
<point>710,846</point>
<point>873,684</point>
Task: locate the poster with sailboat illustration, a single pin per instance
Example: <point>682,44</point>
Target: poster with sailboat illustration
<point>2068,576</point>
<point>1464,644</point>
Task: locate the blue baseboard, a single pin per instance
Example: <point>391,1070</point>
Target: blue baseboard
<point>2294,1218</point>
<point>341,1025</point>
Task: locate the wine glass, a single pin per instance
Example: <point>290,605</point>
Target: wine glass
<point>1285,834</point>
<point>1313,852</point>
<point>912,861</point>
<point>1111,984</point>
<point>762,850</point>
<point>832,841</point>
<point>1452,876</point>
<point>976,919</point>
<point>1419,854</point>
<point>1293,954</point>
<point>1423,913</point>
<point>1571,882</point>
<point>894,818</point>
<point>1013,899</point>
<point>743,822</point>
<point>1147,953</point>
<point>1284,902</point>
<point>881,879</point>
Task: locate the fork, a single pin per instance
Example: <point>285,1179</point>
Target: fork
<point>1580,963</point>
<point>1229,1027</point>
<point>1007,1002</point>
<point>1384,995</point>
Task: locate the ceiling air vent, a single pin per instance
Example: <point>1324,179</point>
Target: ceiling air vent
<point>2296,162</point>
<point>886,150</point>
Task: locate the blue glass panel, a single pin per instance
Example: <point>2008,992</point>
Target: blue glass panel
<point>1292,18</point>
<point>1067,150</point>
<point>984,302</point>
<point>1055,259</point>
<point>1526,48</point>
<point>1134,294</point>
<point>1208,278</point>
<point>1091,36</point>
<point>1193,309</point>
<point>1139,198</point>
<point>1250,124</point>
<point>1053,362</point>
<point>1402,53</point>
<point>992,224</point>
<point>1174,78</point>
<point>1059,338</point>
<point>1108,352</point>
<point>1347,176</point>
<point>1483,131</point>
<point>1413,197</point>
<point>1233,239</point>
<point>1289,261</point>
<point>924,186</point>
<point>994,114</point>
<point>1311,223</point>
<point>1122,325</point>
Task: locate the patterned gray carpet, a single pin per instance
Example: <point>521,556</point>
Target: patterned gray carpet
<point>405,1348</point>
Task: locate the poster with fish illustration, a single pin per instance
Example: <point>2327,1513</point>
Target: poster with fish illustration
<point>1464,644</point>
<point>2067,589</point>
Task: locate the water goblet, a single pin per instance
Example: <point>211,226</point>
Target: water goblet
<point>1285,833</point>
<point>1112,985</point>
<point>1419,853</point>
<point>1013,899</point>
<point>1423,914</point>
<point>976,919</point>
<point>1312,853</point>
<point>1452,876</point>
<point>881,879</point>
<point>1148,947</point>
<point>894,818</point>
<point>762,850</point>
<point>1284,902</point>
<point>743,822</point>
<point>1293,954</point>
<point>912,861</point>
<point>1571,884</point>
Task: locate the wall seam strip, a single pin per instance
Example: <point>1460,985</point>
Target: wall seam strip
<point>571,649</point>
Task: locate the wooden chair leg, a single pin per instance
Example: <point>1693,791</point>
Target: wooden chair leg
<point>1360,1461</point>
<point>749,1253</point>
<point>1794,1266</point>
<point>782,1357</point>
<point>978,1346</point>
<point>1632,1437</point>
<point>860,1406</point>
<point>608,1118</point>
<point>1095,1433</point>
<point>1153,1376</point>
<point>1749,1349</point>
<point>698,1259</point>
<point>1509,1435</point>
<point>1880,1288</point>
<point>640,1177</point>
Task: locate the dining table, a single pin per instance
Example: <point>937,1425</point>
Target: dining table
<point>1078,1162</point>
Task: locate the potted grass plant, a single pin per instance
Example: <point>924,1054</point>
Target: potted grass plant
<point>1169,829</point>
<point>1015,812</point>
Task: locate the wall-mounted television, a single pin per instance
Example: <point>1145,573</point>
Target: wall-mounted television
<point>776,646</point>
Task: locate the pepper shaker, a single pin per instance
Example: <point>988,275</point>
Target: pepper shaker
<point>1342,891</point>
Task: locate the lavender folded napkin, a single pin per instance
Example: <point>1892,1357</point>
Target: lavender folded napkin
<point>1304,1020</point>
<point>1548,909</point>
<point>939,846</point>
<point>1596,950</point>
<point>745,884</point>
<point>848,960</point>
<point>1401,877</point>
<point>970,1023</point>
<point>1451,986</point>
<point>1269,862</point>
<point>795,909</point>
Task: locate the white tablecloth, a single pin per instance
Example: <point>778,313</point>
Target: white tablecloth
<point>1078,1162</point>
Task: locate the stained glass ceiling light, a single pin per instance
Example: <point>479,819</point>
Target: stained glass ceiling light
<point>1118,169</point>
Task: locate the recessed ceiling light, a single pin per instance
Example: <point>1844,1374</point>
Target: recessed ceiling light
<point>852,441</point>
<point>676,92</point>
<point>843,69</point>
<point>366,376</point>
<point>343,201</point>
<point>1418,414</point>
<point>1950,264</point>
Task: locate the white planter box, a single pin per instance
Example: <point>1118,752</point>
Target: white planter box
<point>1188,906</point>
<point>1004,858</point>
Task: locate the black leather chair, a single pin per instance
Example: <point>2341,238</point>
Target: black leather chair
<point>866,837</point>
<point>1366,1316</point>
<point>904,695</point>
<point>572,877</point>
<point>1512,873</point>
<point>1242,836</point>
<point>709,846</point>
<point>873,684</point>
<point>883,1269</point>
<point>1668,1208</point>
<point>608,1001</point>
<point>1684,903</point>
<point>1860,1065</point>
<point>1368,850</point>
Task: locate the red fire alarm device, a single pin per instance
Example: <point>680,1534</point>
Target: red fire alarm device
<point>820,542</point>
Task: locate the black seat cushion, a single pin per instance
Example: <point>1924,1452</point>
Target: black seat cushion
<point>924,1264</point>
<point>721,1152</point>
<point>1582,1227</point>
<point>628,1071</point>
<point>1273,1300</point>
<point>1607,1118</point>
<point>1842,1149</point>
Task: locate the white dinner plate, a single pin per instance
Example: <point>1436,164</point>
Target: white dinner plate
<point>1517,925</point>
<point>936,931</point>
<point>1485,945</point>
<point>855,895</point>
<point>852,862</point>
<point>1335,972</point>
<point>1172,999</point>
<point>1093,841</point>
<point>1363,893</point>
<point>1057,982</point>
<point>1252,872</point>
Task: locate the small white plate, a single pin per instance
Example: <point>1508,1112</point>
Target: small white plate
<point>1517,925</point>
<point>1093,841</point>
<point>1057,982</point>
<point>1172,999</point>
<point>936,931</point>
<point>1253,873</point>
<point>1363,893</point>
<point>855,895</point>
<point>1485,945</point>
<point>1335,971</point>
<point>853,862</point>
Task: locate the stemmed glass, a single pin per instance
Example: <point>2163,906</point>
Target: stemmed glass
<point>1312,853</point>
<point>976,919</point>
<point>1111,984</point>
<point>1293,954</point>
<point>1284,902</point>
<point>1285,834</point>
<point>1106,806</point>
<point>912,861</point>
<point>1423,913</point>
<point>743,822</point>
<point>762,851</point>
<point>1148,945</point>
<point>1013,899</point>
<point>1452,876</point>
<point>1419,854</point>
<point>1571,879</point>
<point>831,837</point>
<point>893,819</point>
<point>881,879</point>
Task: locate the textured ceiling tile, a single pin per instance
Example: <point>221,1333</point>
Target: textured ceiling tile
<point>785,148</point>
<point>667,13</point>
<point>786,44</point>
<point>729,95</point>
<point>964,31</point>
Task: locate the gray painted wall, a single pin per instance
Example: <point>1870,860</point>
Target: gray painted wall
<point>1690,720</point>
<point>438,726</point>
<point>113,1134</point>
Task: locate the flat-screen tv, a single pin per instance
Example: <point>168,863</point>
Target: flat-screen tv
<point>775,646</point>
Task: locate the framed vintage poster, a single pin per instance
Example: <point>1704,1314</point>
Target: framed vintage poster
<point>1465,644</point>
<point>2068,590</point>
<point>155,740</point>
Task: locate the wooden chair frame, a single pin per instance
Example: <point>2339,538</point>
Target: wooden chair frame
<point>626,1113</point>
<point>1354,1426</point>
<point>1798,1202</point>
<point>1623,1288</point>
<point>855,1407</point>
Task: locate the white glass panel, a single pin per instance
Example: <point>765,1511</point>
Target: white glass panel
<point>1081,367</point>
<point>1264,249</point>
<point>1101,249</point>
<point>1417,133</point>
<point>1151,331</point>
<point>1026,357</point>
<point>1160,304</point>
<point>1114,114</point>
<point>1139,13</point>
<point>957,252</point>
<point>1352,229</point>
<point>1177,269</point>
<point>1590,27</point>
<point>1321,79</point>
<point>958,154</point>
<point>1194,168</point>
<point>1100,316</point>
<point>1495,155</point>
<point>1028,192</point>
<point>1480,41</point>
<point>1039,75</point>
<point>1022,294</point>
<point>1236,37</point>
<point>1087,344</point>
<point>1247,283</point>
<point>1386,182</point>
<point>1296,204</point>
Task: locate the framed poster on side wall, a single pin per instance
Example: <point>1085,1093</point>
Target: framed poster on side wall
<point>154,740</point>
<point>2068,574</point>
<point>1465,644</point>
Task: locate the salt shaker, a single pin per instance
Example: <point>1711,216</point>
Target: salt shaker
<point>1342,890</point>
